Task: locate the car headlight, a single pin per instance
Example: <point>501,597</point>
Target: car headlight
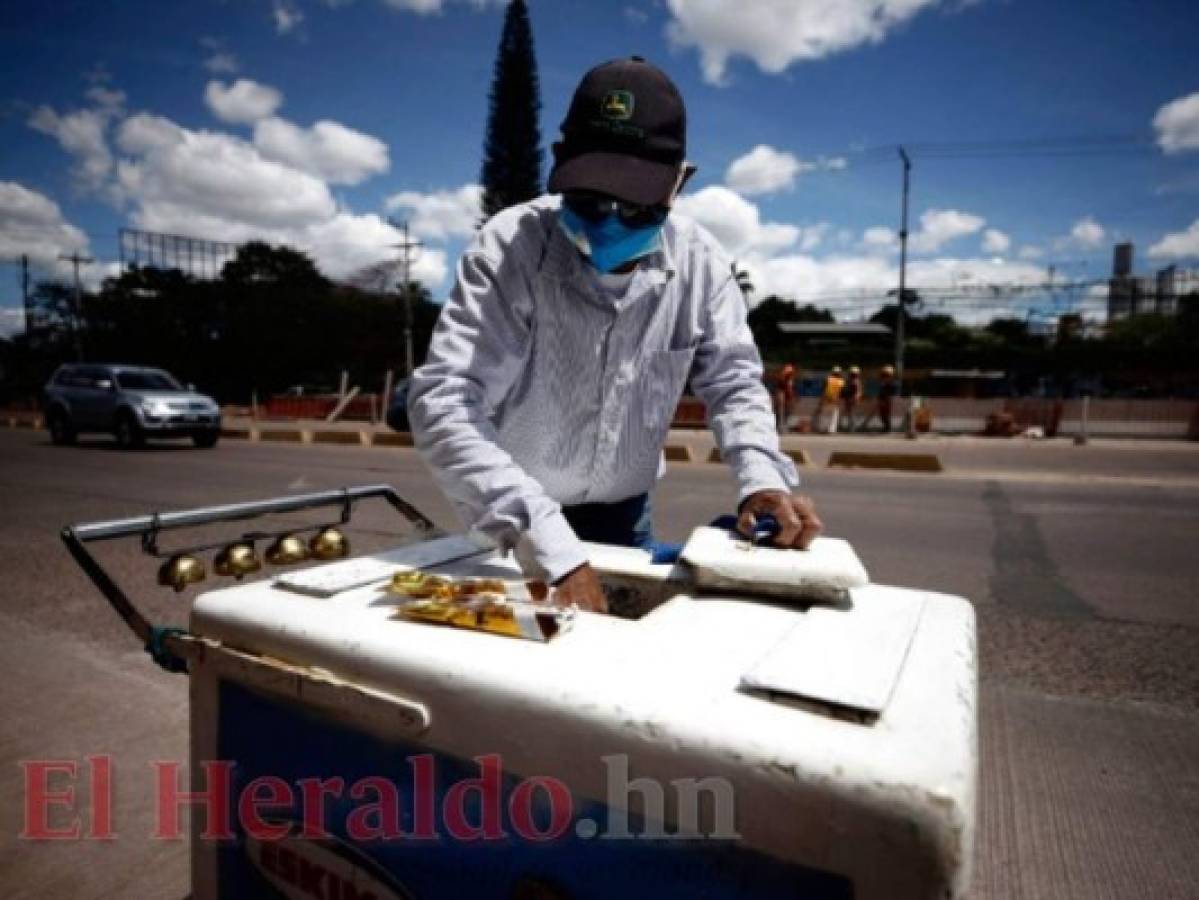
<point>155,408</point>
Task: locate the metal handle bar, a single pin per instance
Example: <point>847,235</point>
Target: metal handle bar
<point>171,647</point>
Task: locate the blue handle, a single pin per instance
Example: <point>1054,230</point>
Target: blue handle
<point>766,527</point>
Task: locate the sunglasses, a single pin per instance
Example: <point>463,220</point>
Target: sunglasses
<point>596,208</point>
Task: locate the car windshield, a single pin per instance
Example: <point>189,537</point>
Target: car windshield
<point>147,381</point>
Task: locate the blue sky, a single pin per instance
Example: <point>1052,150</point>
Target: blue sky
<point>311,121</point>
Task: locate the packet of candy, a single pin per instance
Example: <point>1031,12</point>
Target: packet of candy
<point>479,604</point>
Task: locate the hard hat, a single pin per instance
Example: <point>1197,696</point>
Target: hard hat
<point>836,370</point>
<point>854,370</point>
<point>888,370</point>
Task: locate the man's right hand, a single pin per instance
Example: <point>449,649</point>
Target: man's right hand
<point>581,588</point>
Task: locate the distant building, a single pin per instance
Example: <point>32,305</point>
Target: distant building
<point>1134,295</point>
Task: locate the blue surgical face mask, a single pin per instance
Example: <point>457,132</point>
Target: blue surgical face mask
<point>609,243</point>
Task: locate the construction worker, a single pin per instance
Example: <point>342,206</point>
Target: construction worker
<point>786,395</point>
<point>831,396</point>
<point>887,389</point>
<point>851,395</point>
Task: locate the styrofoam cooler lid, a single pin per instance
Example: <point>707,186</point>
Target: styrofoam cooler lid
<point>825,572</point>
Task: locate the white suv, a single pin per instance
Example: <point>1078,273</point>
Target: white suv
<point>131,402</point>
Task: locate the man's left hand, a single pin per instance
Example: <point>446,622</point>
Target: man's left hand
<point>796,515</point>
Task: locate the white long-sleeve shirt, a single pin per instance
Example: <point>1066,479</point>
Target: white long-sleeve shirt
<point>541,389</point>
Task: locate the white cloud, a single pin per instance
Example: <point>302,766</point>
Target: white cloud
<point>1178,245</point>
<point>107,100</point>
<point>221,187</point>
<point>287,16</point>
<point>812,236</point>
<point>880,238</point>
<point>347,243</point>
<point>1087,233</point>
<point>83,134</point>
<point>854,287</point>
<point>242,103</point>
<point>215,185</point>
<point>942,226</point>
<point>777,33</point>
<point>442,214</point>
<point>430,7</point>
<point>219,60</point>
<point>1030,252</point>
<point>736,222</point>
<point>995,241</point>
<point>179,176</point>
<point>762,171</point>
<point>32,225</point>
<point>142,133</point>
<point>765,170</point>
<point>1177,124</point>
<point>780,261</point>
<point>338,154</point>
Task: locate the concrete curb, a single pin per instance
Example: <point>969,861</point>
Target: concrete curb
<point>900,462</point>
<point>392,439</point>
<point>370,437</point>
<point>799,457</point>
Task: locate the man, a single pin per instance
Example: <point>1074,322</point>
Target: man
<point>851,396</point>
<point>886,397</point>
<point>831,397</point>
<point>786,390</point>
<point>573,327</point>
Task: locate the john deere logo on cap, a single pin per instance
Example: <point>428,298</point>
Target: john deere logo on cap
<point>617,105</point>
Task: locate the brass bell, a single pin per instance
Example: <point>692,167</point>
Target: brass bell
<point>286,550</point>
<point>180,570</point>
<point>329,543</point>
<point>237,560</point>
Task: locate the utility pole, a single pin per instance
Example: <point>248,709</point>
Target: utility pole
<point>903,272</point>
<point>76,260</point>
<point>25,294</point>
<point>902,299</point>
<point>406,248</point>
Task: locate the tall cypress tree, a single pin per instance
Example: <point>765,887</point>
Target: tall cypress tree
<point>512,149</point>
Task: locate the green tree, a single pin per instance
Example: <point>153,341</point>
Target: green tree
<point>258,263</point>
<point>512,149</point>
<point>764,320</point>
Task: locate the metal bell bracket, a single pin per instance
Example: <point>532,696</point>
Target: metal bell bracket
<point>150,535</point>
<point>171,647</point>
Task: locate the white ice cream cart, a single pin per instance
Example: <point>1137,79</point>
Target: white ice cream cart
<point>708,742</point>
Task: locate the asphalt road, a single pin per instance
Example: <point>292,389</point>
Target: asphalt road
<point>1083,570</point>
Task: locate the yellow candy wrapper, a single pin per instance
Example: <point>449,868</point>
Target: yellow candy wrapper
<point>479,605</point>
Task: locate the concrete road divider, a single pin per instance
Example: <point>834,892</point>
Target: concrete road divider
<point>282,435</point>
<point>799,457</point>
<point>900,462</point>
<point>392,439</point>
<point>341,437</point>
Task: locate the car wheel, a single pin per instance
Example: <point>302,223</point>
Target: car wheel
<point>206,439</point>
<point>59,424</point>
<point>128,432</point>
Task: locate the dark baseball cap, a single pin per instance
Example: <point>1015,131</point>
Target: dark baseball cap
<point>624,135</point>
